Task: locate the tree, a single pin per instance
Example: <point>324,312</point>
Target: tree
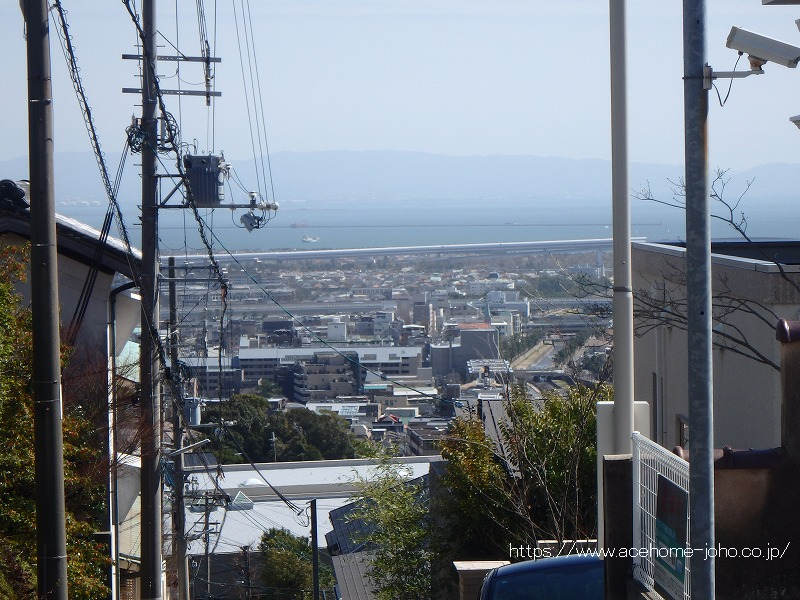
<point>299,434</point>
<point>571,346</point>
<point>88,560</point>
<point>268,389</point>
<point>395,513</point>
<point>288,563</point>
<point>665,302</point>
<point>538,481</point>
<point>513,346</point>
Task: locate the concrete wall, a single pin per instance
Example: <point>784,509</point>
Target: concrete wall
<point>746,393</point>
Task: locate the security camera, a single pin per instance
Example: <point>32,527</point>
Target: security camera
<point>796,120</point>
<point>762,48</point>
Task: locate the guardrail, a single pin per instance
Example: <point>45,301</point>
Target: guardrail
<point>651,462</point>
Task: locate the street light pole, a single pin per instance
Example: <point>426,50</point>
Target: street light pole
<point>51,545</point>
<point>698,288</point>
<point>621,207</point>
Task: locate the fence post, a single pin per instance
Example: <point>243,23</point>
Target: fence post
<point>637,493</point>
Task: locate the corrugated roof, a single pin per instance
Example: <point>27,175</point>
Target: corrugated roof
<point>352,576</point>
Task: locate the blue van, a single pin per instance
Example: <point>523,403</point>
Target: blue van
<point>574,577</point>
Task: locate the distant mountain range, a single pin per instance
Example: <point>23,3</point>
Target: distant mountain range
<point>388,176</point>
<point>501,188</point>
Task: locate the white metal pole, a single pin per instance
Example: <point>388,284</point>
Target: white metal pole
<point>623,293</point>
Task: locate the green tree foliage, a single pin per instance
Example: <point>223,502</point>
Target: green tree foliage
<point>299,434</point>
<point>598,365</point>
<point>269,389</point>
<point>538,483</point>
<point>88,560</point>
<point>549,286</point>
<point>396,516</point>
<point>288,563</point>
<point>571,346</point>
<point>474,519</point>
<point>553,447</point>
<point>513,346</point>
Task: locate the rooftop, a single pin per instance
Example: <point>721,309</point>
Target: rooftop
<point>759,255</point>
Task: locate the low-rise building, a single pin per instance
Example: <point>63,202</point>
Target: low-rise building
<point>389,360</point>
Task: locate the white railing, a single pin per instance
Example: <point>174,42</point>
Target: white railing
<point>649,461</point>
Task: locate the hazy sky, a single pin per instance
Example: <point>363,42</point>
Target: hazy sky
<point>441,76</point>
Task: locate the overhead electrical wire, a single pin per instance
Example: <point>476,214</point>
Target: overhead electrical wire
<point>246,96</point>
<point>148,64</point>
<point>261,103</point>
<point>177,396</point>
<point>65,42</point>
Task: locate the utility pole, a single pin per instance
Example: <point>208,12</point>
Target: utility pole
<point>150,389</point>
<point>51,545</point>
<point>623,286</point>
<point>698,288</point>
<point>178,514</point>
<point>247,579</point>
<point>206,525</point>
<point>314,549</point>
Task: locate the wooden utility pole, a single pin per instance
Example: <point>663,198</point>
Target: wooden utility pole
<point>51,545</point>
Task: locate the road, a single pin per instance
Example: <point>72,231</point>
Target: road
<point>530,356</point>
<point>544,361</point>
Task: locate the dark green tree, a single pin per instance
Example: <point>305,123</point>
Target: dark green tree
<point>288,564</point>
<point>538,482</point>
<point>396,514</point>
<point>299,434</point>
<point>84,465</point>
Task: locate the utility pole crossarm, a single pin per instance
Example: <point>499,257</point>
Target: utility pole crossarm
<point>181,58</point>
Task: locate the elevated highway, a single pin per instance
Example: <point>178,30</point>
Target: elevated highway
<point>482,248</point>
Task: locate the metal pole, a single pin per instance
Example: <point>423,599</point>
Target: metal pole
<point>314,549</point>
<point>150,389</point>
<point>621,208</point>
<point>698,288</point>
<point>178,514</point>
<point>51,545</point>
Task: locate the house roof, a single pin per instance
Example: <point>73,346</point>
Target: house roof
<point>76,240</point>
<point>352,576</point>
<point>751,256</point>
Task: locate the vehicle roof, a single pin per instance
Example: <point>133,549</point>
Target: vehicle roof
<point>548,563</point>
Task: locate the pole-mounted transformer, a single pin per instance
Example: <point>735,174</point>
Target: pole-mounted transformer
<point>206,176</point>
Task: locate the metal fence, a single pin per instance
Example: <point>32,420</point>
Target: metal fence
<point>649,462</point>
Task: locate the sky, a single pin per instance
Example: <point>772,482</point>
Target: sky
<point>458,77</point>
